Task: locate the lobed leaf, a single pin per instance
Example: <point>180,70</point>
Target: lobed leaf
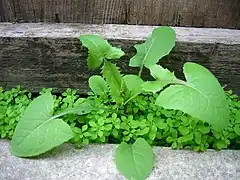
<point>201,96</point>
<point>114,53</point>
<point>163,78</point>
<point>99,50</point>
<point>161,74</point>
<point>158,45</point>
<point>114,79</point>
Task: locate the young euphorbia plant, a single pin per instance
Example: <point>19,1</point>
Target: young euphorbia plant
<point>101,54</point>
<point>201,96</point>
<point>156,46</point>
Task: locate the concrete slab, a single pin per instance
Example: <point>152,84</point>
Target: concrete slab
<point>96,162</point>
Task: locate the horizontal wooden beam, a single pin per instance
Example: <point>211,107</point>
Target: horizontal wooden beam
<point>50,55</point>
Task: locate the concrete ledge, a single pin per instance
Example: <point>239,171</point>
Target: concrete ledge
<point>38,55</point>
<point>96,162</point>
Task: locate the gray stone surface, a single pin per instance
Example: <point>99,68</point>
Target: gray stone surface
<point>96,162</point>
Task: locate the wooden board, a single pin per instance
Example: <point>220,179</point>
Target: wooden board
<point>195,13</point>
<point>50,55</point>
<point>6,13</point>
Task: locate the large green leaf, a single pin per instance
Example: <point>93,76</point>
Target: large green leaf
<point>163,77</point>
<point>99,49</point>
<point>158,45</point>
<point>201,96</point>
<point>135,161</point>
<point>133,85</point>
<point>114,79</point>
<point>98,85</point>
<point>37,132</point>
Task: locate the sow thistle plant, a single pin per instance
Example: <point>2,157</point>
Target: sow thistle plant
<point>123,108</point>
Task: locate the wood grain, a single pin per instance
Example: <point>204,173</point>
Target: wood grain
<point>6,13</point>
<point>50,55</point>
<point>85,11</point>
<point>194,13</point>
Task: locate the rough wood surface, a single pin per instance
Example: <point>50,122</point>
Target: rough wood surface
<point>50,55</point>
<point>84,11</point>
<point>5,11</point>
<point>195,13</point>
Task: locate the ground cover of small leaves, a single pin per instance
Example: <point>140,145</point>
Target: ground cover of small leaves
<point>140,118</point>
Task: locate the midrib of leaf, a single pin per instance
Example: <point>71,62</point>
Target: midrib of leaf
<point>74,111</point>
<point>178,81</point>
<point>118,84</point>
<point>129,99</point>
<point>93,43</point>
<point>144,59</point>
<point>47,107</point>
<point>200,94</point>
<point>36,128</point>
<point>112,77</point>
<point>133,159</point>
<point>115,79</point>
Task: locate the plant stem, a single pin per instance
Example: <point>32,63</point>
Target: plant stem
<point>125,109</point>
<point>140,71</point>
<point>179,81</point>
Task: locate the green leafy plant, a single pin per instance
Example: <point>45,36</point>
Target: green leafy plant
<point>143,118</point>
<point>193,114</point>
<point>38,131</point>
<point>99,50</point>
<point>140,159</point>
<point>12,105</point>
<point>158,126</point>
<point>158,45</point>
<point>201,96</point>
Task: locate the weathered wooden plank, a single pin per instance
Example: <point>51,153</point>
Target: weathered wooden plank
<point>84,11</point>
<point>6,13</point>
<point>195,13</point>
<point>50,55</point>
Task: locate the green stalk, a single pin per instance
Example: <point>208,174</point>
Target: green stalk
<point>140,71</point>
